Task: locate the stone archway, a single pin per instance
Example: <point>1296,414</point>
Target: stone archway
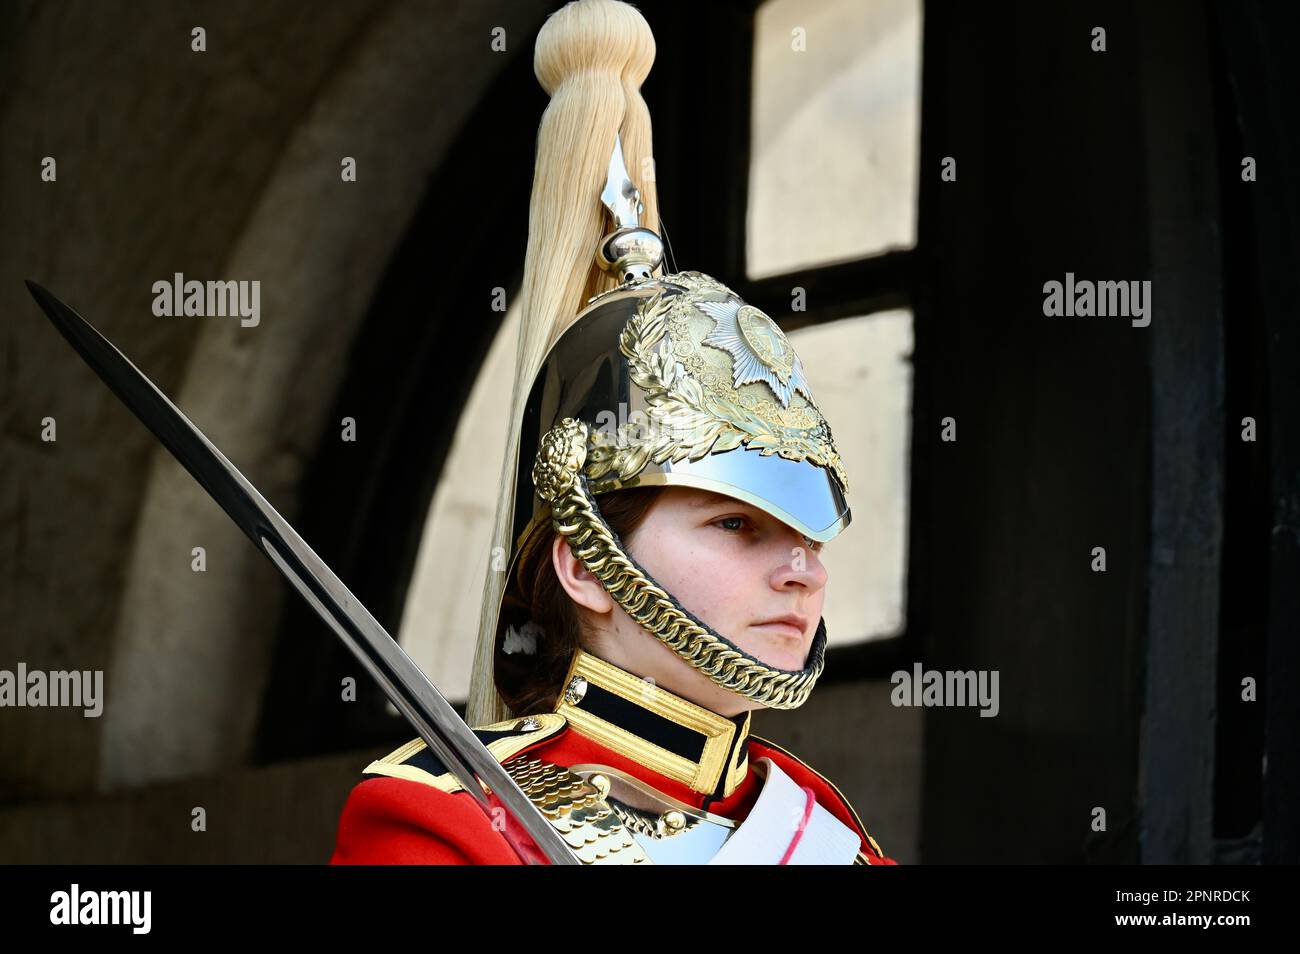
<point>192,650</point>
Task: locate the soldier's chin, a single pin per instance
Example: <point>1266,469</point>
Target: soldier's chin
<point>777,651</point>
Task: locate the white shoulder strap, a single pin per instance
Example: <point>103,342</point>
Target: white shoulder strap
<point>783,815</point>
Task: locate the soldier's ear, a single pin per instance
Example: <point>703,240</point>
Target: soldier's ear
<point>583,588</point>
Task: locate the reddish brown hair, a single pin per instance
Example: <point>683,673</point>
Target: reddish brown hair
<point>554,611</point>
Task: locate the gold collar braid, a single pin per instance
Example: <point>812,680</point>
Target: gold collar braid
<point>558,477</point>
<point>654,727</point>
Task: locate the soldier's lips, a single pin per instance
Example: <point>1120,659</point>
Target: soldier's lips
<point>781,629</point>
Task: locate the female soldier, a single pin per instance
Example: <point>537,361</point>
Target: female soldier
<point>669,484</point>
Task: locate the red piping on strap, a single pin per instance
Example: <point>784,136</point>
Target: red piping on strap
<point>803,823</point>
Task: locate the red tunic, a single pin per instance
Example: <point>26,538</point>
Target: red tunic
<point>390,820</point>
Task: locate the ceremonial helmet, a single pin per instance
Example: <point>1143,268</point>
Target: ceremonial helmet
<point>626,379</point>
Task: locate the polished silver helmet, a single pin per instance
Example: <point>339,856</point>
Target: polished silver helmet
<point>670,381</point>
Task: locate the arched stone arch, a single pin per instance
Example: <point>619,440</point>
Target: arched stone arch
<point>192,650</point>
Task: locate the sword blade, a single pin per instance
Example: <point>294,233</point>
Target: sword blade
<point>388,664</point>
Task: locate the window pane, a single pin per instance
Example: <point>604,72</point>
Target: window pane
<point>835,131</point>
<point>860,371</point>
<point>440,621</point>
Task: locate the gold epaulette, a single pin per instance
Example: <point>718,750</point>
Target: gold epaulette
<point>574,806</point>
<point>414,762</point>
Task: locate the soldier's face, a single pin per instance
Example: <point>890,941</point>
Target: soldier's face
<point>733,566</point>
